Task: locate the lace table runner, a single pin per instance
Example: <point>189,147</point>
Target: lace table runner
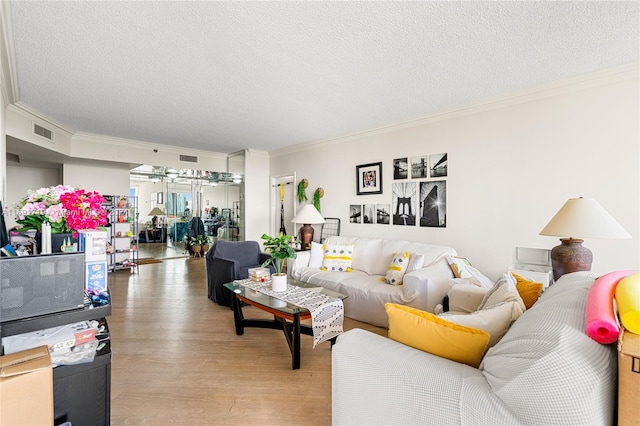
<point>327,313</point>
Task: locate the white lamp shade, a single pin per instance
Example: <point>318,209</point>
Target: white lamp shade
<point>584,218</point>
<point>308,215</point>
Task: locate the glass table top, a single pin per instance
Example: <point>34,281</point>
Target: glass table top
<point>277,304</point>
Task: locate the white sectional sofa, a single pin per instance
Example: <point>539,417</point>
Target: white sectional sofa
<point>423,288</point>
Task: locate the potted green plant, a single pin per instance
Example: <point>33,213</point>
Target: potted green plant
<point>196,245</point>
<point>205,242</point>
<point>280,249</point>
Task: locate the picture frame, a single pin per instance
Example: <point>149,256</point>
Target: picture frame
<point>400,168</point>
<point>355,213</point>
<point>383,214</point>
<point>369,178</point>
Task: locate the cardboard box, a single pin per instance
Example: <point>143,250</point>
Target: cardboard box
<point>95,276</point>
<point>26,388</point>
<point>628,377</point>
<point>93,244</point>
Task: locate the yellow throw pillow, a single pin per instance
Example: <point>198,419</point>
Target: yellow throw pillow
<point>430,333</point>
<point>528,290</point>
<point>397,268</point>
<point>337,258</point>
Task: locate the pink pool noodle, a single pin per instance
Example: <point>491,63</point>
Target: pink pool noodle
<point>602,325</point>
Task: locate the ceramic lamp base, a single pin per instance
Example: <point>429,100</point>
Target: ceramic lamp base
<point>570,256</point>
<point>306,236</point>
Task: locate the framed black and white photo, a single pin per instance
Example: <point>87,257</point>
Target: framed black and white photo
<point>368,213</point>
<point>404,203</point>
<point>419,169</point>
<point>439,165</point>
<point>369,178</point>
<point>355,213</point>
<point>400,168</point>
<point>433,204</point>
<point>383,214</point>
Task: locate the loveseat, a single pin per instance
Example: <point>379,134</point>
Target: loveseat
<point>544,371</point>
<point>422,288</point>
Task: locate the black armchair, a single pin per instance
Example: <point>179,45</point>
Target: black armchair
<point>228,261</point>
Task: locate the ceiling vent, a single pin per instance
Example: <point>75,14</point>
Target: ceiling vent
<point>188,158</point>
<point>43,132</point>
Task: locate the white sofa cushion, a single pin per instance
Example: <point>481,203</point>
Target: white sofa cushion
<point>415,262</point>
<point>316,256</point>
<point>495,320</point>
<point>504,290</point>
<point>465,298</point>
<point>368,256</point>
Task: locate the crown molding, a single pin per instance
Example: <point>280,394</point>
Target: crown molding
<point>42,119</point>
<point>131,143</point>
<point>561,87</point>
<point>8,75</point>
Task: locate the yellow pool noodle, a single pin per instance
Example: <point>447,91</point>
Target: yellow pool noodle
<point>628,301</point>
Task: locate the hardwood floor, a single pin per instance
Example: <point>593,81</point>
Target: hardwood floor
<point>177,360</point>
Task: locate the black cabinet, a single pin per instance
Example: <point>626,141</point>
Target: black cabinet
<point>81,392</point>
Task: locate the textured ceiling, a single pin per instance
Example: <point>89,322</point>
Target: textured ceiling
<point>223,76</point>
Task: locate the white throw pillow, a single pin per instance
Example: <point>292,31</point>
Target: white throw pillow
<point>495,321</point>
<point>504,290</point>
<point>416,261</point>
<point>466,298</point>
<point>316,256</point>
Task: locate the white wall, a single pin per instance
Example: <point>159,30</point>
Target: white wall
<point>20,180</point>
<point>112,180</point>
<point>3,149</point>
<point>255,199</point>
<point>512,164</point>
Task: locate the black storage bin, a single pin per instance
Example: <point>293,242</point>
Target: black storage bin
<point>82,393</point>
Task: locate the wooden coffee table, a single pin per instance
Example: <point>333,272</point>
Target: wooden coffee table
<point>286,317</point>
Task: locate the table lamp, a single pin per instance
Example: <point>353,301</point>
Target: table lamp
<point>307,215</point>
<point>579,218</point>
<point>156,212</point>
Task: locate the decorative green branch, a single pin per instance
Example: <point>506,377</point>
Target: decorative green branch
<point>302,186</point>
<point>316,197</point>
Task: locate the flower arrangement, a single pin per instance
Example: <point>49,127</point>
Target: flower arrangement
<point>67,209</point>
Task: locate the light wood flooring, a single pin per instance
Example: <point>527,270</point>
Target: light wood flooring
<point>177,360</point>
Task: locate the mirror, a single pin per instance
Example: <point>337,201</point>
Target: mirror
<point>213,197</point>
